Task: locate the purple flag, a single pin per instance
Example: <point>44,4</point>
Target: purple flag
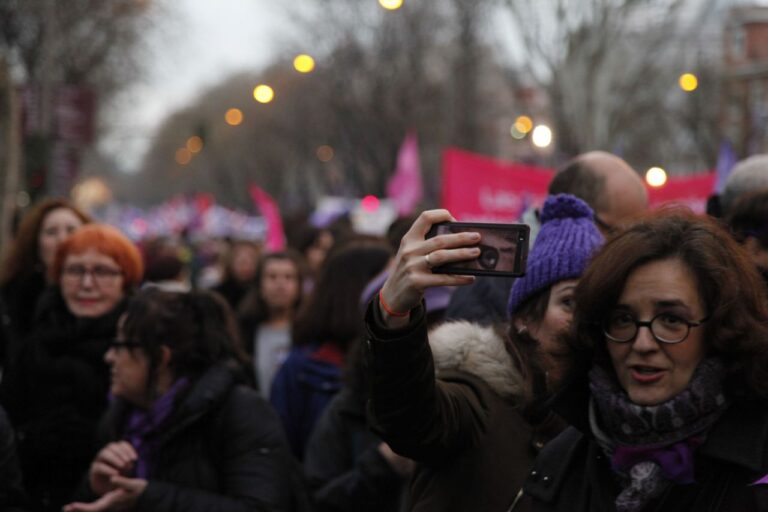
<point>404,187</point>
<point>726,159</point>
<point>271,214</point>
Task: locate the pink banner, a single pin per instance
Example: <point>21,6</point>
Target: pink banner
<point>479,188</point>
<point>692,191</point>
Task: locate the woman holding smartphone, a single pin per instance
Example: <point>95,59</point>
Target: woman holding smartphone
<point>464,401</point>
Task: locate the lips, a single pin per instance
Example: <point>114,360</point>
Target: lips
<point>643,374</point>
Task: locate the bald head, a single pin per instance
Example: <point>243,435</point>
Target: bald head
<point>605,182</point>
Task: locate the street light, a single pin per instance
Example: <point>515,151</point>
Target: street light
<point>391,5</point>
<point>542,136</point>
<point>523,124</point>
<point>183,156</point>
<point>195,144</point>
<point>656,177</point>
<point>324,153</point>
<point>688,82</point>
<point>234,116</point>
<point>263,93</point>
<point>304,63</point>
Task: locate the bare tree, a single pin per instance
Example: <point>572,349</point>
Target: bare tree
<point>610,69</point>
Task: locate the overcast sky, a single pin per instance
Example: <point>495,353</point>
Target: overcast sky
<point>198,44</point>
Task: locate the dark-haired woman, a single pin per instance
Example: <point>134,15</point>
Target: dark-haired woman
<point>668,401</point>
<point>465,401</point>
<point>24,273</point>
<point>324,329</point>
<point>184,433</point>
<point>266,314</point>
<point>56,391</point>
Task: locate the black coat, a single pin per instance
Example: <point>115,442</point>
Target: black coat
<point>55,394</point>
<point>342,463</point>
<point>572,473</point>
<point>18,301</point>
<point>12,495</point>
<point>223,449</point>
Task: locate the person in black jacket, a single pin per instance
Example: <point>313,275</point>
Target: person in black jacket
<point>668,396</point>
<point>23,274</point>
<point>183,433</point>
<point>56,391</point>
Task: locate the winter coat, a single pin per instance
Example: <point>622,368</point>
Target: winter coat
<point>55,394</point>
<point>573,474</point>
<point>18,301</point>
<point>342,463</point>
<point>466,428</point>
<point>303,387</point>
<point>222,449</point>
<point>12,495</point>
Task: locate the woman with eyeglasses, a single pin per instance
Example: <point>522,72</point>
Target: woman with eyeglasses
<point>668,400</point>
<point>184,431</point>
<point>57,390</point>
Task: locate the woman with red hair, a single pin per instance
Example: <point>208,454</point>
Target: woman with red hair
<point>57,390</point>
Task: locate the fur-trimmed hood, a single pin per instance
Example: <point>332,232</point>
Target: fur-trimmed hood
<point>477,350</point>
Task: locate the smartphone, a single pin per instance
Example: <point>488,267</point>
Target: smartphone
<point>503,249</point>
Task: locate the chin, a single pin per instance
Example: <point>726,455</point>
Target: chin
<point>648,397</point>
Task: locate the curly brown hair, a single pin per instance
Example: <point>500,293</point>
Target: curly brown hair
<point>731,288</point>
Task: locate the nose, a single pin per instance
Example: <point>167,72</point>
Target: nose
<point>108,355</point>
<point>87,279</point>
<point>644,340</point>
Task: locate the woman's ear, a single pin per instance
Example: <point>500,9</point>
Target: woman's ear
<point>166,356</point>
<point>520,325</point>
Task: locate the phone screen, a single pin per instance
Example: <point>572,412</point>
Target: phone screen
<point>503,248</point>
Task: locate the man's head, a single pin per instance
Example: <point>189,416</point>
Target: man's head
<point>606,183</point>
<point>748,175</point>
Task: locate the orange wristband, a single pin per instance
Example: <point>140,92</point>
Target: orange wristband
<point>390,311</point>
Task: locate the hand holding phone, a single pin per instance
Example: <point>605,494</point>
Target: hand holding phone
<point>503,249</point>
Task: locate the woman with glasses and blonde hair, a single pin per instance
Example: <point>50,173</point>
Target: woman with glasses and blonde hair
<point>667,398</point>
<point>57,389</point>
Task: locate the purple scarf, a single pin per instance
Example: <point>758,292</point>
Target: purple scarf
<point>143,426</point>
<point>651,446</point>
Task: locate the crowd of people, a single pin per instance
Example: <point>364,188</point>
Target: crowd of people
<point>626,370</point>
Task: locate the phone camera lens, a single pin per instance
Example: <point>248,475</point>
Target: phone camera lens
<point>489,257</point>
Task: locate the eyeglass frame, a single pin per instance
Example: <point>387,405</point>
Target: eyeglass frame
<point>113,274</point>
<point>649,325</point>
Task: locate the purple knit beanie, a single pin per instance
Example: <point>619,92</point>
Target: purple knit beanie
<point>563,247</point>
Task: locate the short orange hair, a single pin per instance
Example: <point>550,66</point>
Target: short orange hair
<point>108,241</point>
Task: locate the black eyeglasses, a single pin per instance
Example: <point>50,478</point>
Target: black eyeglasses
<point>100,274</point>
<point>622,327</point>
<point>119,344</point>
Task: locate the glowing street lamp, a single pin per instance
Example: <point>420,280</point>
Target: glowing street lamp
<point>234,116</point>
<point>541,136</point>
<point>183,156</point>
<point>263,93</point>
<point>194,144</point>
<point>304,63</point>
<point>656,177</point>
<point>391,5</point>
<point>688,82</point>
<point>523,124</point>
<point>324,153</point>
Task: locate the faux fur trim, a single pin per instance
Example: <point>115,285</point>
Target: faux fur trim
<point>477,350</point>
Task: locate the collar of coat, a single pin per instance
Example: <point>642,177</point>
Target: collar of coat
<point>477,350</point>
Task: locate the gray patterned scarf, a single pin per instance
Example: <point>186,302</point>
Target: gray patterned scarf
<point>651,446</point>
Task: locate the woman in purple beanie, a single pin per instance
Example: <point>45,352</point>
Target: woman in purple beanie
<point>464,401</point>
